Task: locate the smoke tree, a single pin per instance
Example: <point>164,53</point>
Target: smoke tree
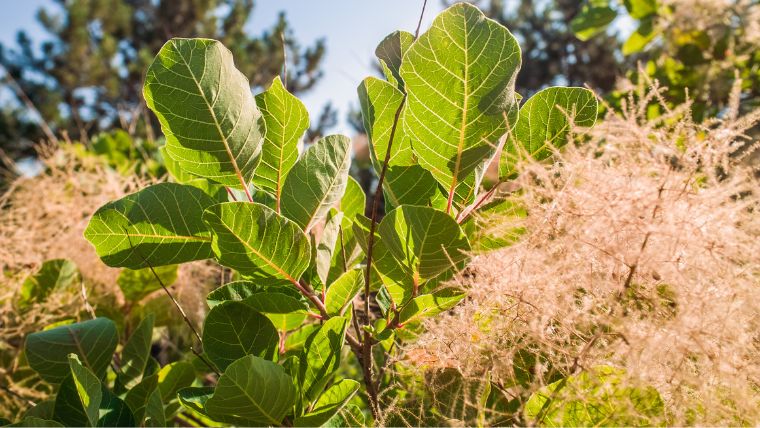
<point>307,262</point>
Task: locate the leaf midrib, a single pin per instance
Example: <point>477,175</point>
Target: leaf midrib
<point>463,126</point>
<point>213,116</point>
<point>257,253</point>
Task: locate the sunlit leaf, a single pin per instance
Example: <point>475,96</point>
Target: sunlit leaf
<point>544,123</point>
<point>328,404</point>
<point>158,225</point>
<point>343,290</point>
<point>255,240</point>
<point>207,112</point>
<point>460,79</point>
<point>317,181</point>
<point>286,121</point>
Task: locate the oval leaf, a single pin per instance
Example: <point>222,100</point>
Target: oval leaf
<point>317,181</point>
<point>323,352</point>
<point>460,80</point>
<point>206,110</point>
<point>286,121</point>
<point>429,305</point>
<point>93,341</point>
<point>343,290</point>
<point>233,330</point>
<point>252,391</point>
<point>544,122</point>
<point>329,404</point>
<point>379,101</point>
<point>159,225</point>
<point>256,241</point>
<point>424,240</point>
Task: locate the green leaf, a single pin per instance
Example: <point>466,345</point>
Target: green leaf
<point>592,20</point>
<point>460,79</point>
<point>82,399</point>
<point>88,389</point>
<point>172,377</point>
<point>138,397</point>
<point>284,311</point>
<point>235,290</point>
<point>317,181</point>
<point>159,225</point>
<point>214,190</point>
<point>93,341</point>
<point>154,411</point>
<point>328,404</point>
<point>428,305</point>
<point>252,391</point>
<point>136,284</point>
<point>390,52</point>
<point>424,240</point>
<point>599,396</point>
<point>56,274</point>
<point>43,409</point>
<point>206,109</point>
<point>639,9</point>
<point>255,240</point>
<point>408,185</point>
<point>322,356</point>
<point>233,330</point>
<point>343,290</point>
<point>354,200</point>
<point>641,37</point>
<point>136,352</point>
<point>544,122</point>
<point>397,277</point>
<point>327,245</point>
<point>286,121</point>
<point>195,398</point>
<point>31,421</point>
<point>379,101</point>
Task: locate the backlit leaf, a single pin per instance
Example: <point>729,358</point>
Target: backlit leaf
<point>390,52</point>
<point>379,101</point>
<point>424,240</point>
<point>53,275</point>
<point>322,356</point>
<point>329,403</point>
<point>460,80</point>
<point>343,290</point>
<point>207,112</point>
<point>317,181</point>
<point>286,121</point>
<point>160,224</point>
<point>544,123</point>
<point>256,241</point>
<point>428,305</point>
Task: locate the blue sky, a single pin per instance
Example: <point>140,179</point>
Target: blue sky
<point>352,29</point>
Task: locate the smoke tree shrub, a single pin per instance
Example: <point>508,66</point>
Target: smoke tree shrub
<point>307,262</point>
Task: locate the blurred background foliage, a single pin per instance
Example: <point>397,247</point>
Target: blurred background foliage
<point>87,76</point>
<point>84,81</point>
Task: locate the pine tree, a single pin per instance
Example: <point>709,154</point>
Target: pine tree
<point>552,54</point>
<point>88,76</point>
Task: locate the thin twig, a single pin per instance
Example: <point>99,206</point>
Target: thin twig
<point>30,105</point>
<point>419,23</point>
<point>176,304</point>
